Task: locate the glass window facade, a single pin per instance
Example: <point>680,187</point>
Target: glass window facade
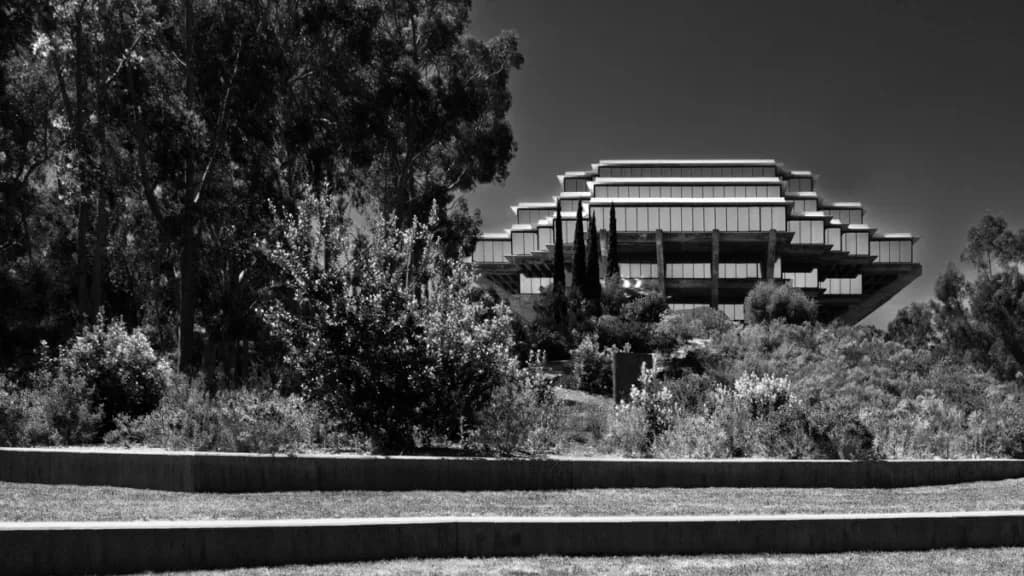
<point>834,237</point>
<point>524,242</point>
<point>843,286</point>
<point>488,250</point>
<point>574,184</point>
<point>546,236</point>
<point>668,171</point>
<point>856,243</point>
<point>807,231</point>
<point>533,215</point>
<point>733,311</point>
<point>800,184</point>
<point>893,251</point>
<point>568,204</point>
<point>528,285</point>
<point>692,218</point>
<point>805,205</point>
<point>687,191</point>
<point>802,279</point>
<point>846,215</point>
<point>638,270</point>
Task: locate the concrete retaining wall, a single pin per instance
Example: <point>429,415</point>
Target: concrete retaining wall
<point>83,548</point>
<point>212,472</point>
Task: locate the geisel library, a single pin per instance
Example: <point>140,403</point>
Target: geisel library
<point>703,232</point>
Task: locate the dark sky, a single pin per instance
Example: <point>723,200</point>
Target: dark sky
<point>914,108</point>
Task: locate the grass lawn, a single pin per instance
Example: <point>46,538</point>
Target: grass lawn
<point>41,502</point>
<point>993,562</point>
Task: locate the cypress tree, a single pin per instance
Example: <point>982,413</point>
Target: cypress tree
<point>559,264</point>
<point>579,258</point>
<point>593,262</point>
<point>612,268</point>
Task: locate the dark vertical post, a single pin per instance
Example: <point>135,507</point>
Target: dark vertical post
<point>714,268</point>
<point>604,253</point>
<point>768,268</point>
<point>660,243</point>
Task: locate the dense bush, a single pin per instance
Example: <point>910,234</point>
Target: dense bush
<point>592,366</point>
<point>189,418</point>
<point>638,422</point>
<point>769,301</point>
<point>679,328</point>
<point>522,416</point>
<point>619,332</point>
<point>384,329</point>
<point>646,308</point>
<point>61,410</point>
<point>12,414</point>
<point>113,371</point>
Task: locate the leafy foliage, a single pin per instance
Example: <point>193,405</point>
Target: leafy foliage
<point>769,301</point>
<point>383,329</point>
<point>189,418</point>
<point>111,370</point>
<point>522,416</point>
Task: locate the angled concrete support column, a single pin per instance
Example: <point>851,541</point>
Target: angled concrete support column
<point>714,268</point>
<point>603,267</point>
<point>660,243</point>
<point>768,268</point>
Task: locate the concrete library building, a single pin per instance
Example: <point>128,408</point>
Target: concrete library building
<point>703,232</point>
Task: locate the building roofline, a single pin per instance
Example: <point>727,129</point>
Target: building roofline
<point>684,162</point>
<point>532,206</point>
<point>770,201</point>
<point>604,181</point>
<point>842,205</point>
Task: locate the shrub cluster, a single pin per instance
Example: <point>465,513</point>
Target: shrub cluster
<point>105,373</point>
<point>386,332</point>
<point>243,420</point>
<point>522,417</point>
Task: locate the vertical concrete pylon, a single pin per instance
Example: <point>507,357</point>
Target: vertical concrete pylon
<point>659,240</point>
<point>714,267</point>
<point>768,268</point>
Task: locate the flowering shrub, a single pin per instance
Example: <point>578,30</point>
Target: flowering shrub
<point>61,411</point>
<point>522,416</point>
<point>113,370</point>
<point>638,422</point>
<point>592,366</point>
<point>188,418</point>
<point>384,329</point>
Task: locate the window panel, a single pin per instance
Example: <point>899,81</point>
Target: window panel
<point>664,217</point>
<point>686,219</point>
<point>698,219</point>
<point>732,219</point>
<point>641,222</point>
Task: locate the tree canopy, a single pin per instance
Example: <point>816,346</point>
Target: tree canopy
<point>143,142</point>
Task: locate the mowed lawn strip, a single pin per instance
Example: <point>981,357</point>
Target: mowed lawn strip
<point>42,502</point>
<point>991,562</point>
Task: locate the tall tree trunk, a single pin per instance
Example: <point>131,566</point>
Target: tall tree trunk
<point>99,254</point>
<point>187,302</point>
<point>81,249</point>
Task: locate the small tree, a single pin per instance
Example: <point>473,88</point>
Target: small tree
<point>769,301</point>
<point>593,282</point>
<point>558,310</point>
<point>383,328</point>
<point>612,266</point>
<point>579,258</point>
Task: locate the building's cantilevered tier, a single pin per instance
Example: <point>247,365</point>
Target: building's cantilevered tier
<point>704,232</point>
